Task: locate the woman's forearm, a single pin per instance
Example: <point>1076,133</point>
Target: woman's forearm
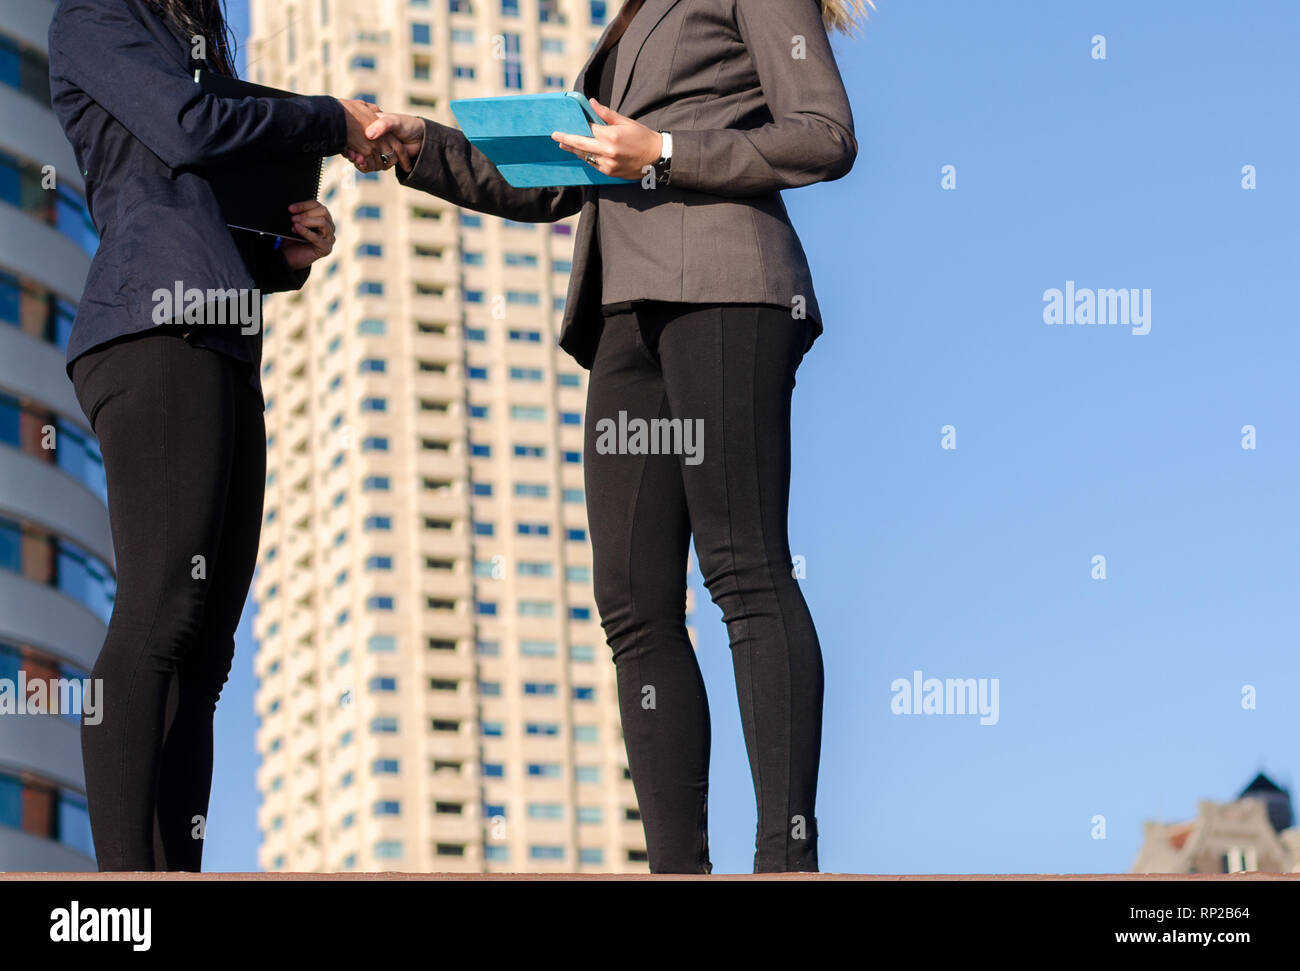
<point>449,167</point>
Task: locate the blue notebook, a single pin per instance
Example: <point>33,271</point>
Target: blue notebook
<point>515,133</point>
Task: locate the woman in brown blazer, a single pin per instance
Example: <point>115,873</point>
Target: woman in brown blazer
<point>691,302</point>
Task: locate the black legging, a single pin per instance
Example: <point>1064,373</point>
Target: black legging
<point>733,366</point>
<point>184,444</point>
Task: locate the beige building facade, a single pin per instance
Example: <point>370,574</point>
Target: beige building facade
<point>435,693</point>
<point>1253,833</point>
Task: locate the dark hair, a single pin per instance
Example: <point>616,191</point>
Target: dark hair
<point>206,19</point>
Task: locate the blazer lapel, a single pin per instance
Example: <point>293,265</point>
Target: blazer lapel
<point>629,46</point>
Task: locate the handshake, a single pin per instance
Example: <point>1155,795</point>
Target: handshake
<point>621,147</point>
<point>377,142</point>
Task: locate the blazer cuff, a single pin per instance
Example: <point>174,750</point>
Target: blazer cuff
<point>333,129</point>
<point>279,277</point>
<point>427,171</point>
<point>686,159</point>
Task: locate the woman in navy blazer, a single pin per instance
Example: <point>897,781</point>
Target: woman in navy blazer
<point>173,392</point>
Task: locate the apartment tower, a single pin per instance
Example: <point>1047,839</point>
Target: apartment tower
<point>434,689</point>
<point>56,552</point>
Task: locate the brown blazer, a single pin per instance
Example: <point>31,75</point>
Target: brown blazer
<point>753,98</point>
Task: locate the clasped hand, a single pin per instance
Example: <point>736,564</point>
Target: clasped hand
<point>373,152</point>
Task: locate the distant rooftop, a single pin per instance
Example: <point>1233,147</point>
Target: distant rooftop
<point>1277,800</point>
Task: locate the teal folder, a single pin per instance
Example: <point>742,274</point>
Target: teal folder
<point>514,132</point>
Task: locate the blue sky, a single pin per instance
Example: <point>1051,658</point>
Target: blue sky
<point>1119,697</point>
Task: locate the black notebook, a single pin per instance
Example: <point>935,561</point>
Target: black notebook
<point>255,197</point>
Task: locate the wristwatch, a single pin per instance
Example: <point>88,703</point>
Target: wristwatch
<point>664,167</point>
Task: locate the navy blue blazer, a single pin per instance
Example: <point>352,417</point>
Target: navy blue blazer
<point>122,85</point>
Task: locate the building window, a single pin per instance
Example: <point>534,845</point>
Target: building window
<point>513,68</point>
<point>388,850</point>
<point>382,644</point>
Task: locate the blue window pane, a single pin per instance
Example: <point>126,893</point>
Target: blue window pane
<point>74,824</point>
<point>11,801</point>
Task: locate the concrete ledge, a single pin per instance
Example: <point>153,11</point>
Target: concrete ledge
<point>604,877</point>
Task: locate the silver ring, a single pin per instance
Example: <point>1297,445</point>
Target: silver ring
<point>385,158</point>
<point>591,160</point>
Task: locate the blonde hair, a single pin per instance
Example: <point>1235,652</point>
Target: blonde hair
<point>842,15</point>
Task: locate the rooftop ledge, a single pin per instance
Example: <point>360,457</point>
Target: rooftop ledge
<point>619,877</point>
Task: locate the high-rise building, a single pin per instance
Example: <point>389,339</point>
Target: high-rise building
<point>56,580</point>
<point>1254,832</point>
<point>434,689</point>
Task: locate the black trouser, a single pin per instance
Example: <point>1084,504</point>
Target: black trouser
<point>733,368</point>
<point>184,445</point>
